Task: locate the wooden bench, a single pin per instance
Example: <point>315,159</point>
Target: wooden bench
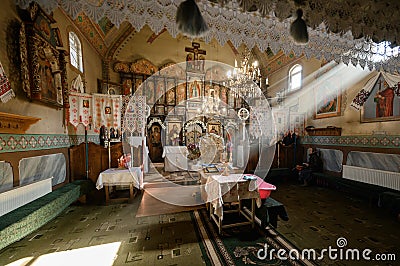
<point>26,219</point>
<point>269,213</point>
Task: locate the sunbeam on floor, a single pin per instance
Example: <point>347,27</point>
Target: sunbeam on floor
<point>101,255</point>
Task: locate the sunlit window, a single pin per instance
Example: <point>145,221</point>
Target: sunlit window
<point>295,78</point>
<point>75,51</point>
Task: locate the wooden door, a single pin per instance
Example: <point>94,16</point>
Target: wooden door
<point>155,144</point>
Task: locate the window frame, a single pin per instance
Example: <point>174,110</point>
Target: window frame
<point>76,47</point>
<point>292,73</point>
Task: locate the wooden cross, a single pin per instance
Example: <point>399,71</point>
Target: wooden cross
<point>195,50</point>
<point>192,60</point>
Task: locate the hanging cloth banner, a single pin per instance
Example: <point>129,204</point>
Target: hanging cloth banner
<point>135,116</point>
<point>6,93</point>
<point>362,96</point>
<point>80,108</point>
<point>255,127</point>
<point>124,106</point>
<point>260,120</point>
<point>107,111</point>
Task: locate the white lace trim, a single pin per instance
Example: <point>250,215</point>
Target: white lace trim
<point>250,29</point>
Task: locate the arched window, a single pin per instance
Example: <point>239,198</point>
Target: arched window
<point>295,78</point>
<point>75,51</point>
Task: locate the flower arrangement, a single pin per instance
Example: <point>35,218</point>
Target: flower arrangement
<point>194,151</point>
<point>124,161</point>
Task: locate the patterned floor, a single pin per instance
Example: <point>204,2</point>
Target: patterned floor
<point>319,216</point>
<point>110,231</point>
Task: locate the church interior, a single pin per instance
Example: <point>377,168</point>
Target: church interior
<point>208,132</point>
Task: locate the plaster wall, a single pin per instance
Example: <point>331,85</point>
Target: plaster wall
<point>166,49</point>
<point>52,119</point>
<point>349,79</point>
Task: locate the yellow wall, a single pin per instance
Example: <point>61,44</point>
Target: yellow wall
<point>52,119</point>
<point>349,79</point>
<point>166,49</point>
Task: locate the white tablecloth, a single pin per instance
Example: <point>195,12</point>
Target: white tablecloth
<point>230,188</point>
<point>175,158</point>
<point>117,176</point>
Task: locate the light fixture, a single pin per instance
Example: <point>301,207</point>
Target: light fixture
<point>298,29</point>
<point>189,19</point>
<point>245,80</point>
<point>212,106</point>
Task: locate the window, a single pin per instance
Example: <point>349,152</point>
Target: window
<point>75,51</point>
<point>295,78</point>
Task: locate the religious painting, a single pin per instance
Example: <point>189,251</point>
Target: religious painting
<point>138,83</point>
<point>155,144</point>
<point>43,59</point>
<point>193,133</point>
<point>159,109</point>
<point>281,118</point>
<point>224,96</point>
<point>214,128</point>
<point>327,101</point>
<point>127,87</point>
<point>170,96</point>
<point>216,88</point>
<point>111,88</point>
<point>149,91</point>
<point>160,90</point>
<point>107,110</point>
<point>180,92</point>
<point>195,58</point>
<point>297,123</point>
<point>49,81</point>
<point>173,133</point>
<point>195,86</point>
<point>207,88</point>
<point>383,104</point>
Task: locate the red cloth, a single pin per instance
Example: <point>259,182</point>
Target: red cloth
<point>384,103</point>
<point>6,93</point>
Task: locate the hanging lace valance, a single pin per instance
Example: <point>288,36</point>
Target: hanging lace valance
<point>250,29</point>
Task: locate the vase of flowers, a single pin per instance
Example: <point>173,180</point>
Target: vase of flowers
<point>194,151</point>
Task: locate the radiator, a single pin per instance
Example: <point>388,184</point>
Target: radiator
<point>372,176</point>
<point>18,196</point>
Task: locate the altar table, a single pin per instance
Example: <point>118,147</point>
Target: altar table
<point>132,177</point>
<point>230,189</point>
<point>175,158</point>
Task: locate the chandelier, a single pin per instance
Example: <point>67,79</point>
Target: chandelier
<point>212,106</point>
<point>245,80</point>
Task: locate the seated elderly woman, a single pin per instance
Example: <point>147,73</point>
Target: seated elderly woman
<point>313,164</point>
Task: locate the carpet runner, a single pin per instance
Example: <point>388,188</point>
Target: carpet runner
<point>241,245</point>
